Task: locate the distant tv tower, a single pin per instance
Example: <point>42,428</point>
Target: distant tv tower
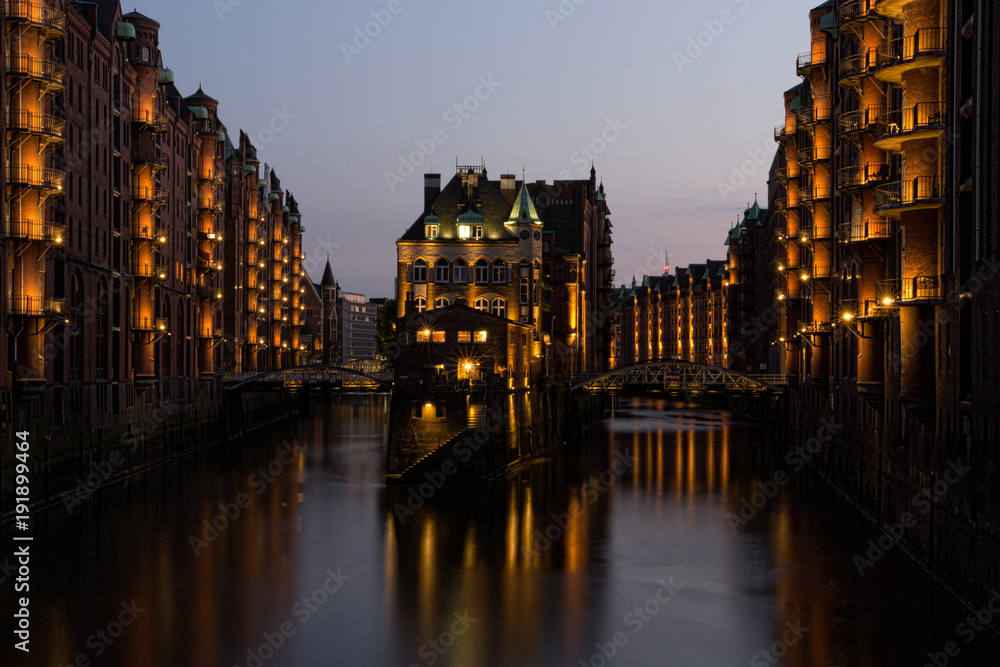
<point>666,263</point>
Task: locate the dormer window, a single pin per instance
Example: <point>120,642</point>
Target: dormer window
<point>464,231</point>
<point>431,231</point>
<point>477,231</point>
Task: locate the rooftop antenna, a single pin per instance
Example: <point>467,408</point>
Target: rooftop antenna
<point>666,263</point>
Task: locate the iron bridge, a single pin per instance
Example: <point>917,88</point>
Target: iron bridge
<point>365,375</point>
<point>681,376</point>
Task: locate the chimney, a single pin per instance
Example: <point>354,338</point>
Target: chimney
<point>508,185</point>
<point>432,188</point>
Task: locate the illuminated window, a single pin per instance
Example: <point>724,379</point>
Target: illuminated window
<point>420,303</point>
<point>480,336</point>
<point>420,271</point>
<point>438,336</point>
<point>477,231</point>
<point>499,307</point>
<point>482,272</point>
<point>441,271</point>
<point>423,336</point>
<point>441,302</point>
<point>432,231</point>
<point>483,305</point>
<point>499,272</point>
<point>464,231</point>
<point>460,272</point>
<point>464,336</point>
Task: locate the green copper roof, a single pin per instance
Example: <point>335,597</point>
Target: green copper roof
<point>469,217</point>
<point>273,197</point>
<point>828,24</point>
<point>261,183</point>
<point>524,209</point>
<point>249,169</point>
<point>126,30</point>
<point>200,113</point>
<point>285,209</point>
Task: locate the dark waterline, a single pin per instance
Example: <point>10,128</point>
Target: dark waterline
<point>624,544</point>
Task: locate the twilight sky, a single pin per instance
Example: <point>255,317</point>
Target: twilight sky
<point>672,98</point>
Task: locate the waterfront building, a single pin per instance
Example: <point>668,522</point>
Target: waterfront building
<point>145,251</point>
<point>485,242</point>
<point>457,343</point>
<point>681,316</point>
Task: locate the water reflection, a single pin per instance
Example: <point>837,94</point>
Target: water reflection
<point>545,569</point>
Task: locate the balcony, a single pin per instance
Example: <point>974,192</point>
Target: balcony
<point>811,154</point>
<point>912,194</point>
<point>856,11</point>
<point>923,120</point>
<point>921,289</point>
<point>782,174</point>
<point>35,231</point>
<point>150,324</point>
<point>33,306</point>
<point>213,176</point>
<point>818,112</point>
<point>855,68</point>
<point>211,334</point>
<point>210,265</point>
<point>785,295</point>
<point>809,61</point>
<point>924,48</point>
<point>146,271</point>
<point>822,272</point>
<point>49,20</point>
<point>39,178</point>
<point>873,229</point>
<point>855,123</point>
<point>783,132</point>
<point>49,129</point>
<point>155,233</point>
<point>44,71</point>
<point>211,205</point>
<point>866,175</point>
<point>816,193</point>
<point>154,196</point>
<point>154,157</point>
<point>151,120</point>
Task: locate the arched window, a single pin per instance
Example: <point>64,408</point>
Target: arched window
<point>483,305</point>
<point>144,54</point>
<point>420,271</point>
<point>499,307</point>
<point>525,272</point>
<point>420,303</point>
<point>441,271</point>
<point>460,272</point>
<point>482,272</point>
<point>499,272</point>
<point>441,302</point>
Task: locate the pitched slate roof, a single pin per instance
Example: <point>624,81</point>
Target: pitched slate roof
<point>453,202</point>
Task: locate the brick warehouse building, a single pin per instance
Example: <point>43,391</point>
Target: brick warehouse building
<point>681,316</point>
<point>884,205</point>
<point>534,253</point>
<point>144,251</point>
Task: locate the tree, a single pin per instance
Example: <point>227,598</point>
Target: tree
<point>385,329</point>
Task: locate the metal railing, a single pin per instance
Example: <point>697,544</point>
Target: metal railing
<point>147,232</point>
<point>35,177</point>
<point>870,173</point>
<point>782,132</point>
<point>35,123</point>
<point>855,10</point>
<point>814,153</point>
<point>150,324</point>
<point>924,42</point>
<point>152,271</point>
<point>151,156</point>
<point>865,230</point>
<point>34,306</point>
<point>40,69</point>
<point>906,120</point>
<point>42,231</point>
<point>36,13</point>
<point>922,287</point>
<point>151,119</point>
<point>910,191</point>
<point>151,195</point>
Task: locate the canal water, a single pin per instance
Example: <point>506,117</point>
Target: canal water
<point>625,549</point>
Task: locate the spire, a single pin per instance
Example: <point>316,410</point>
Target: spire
<point>524,209</point>
<point>328,279</point>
